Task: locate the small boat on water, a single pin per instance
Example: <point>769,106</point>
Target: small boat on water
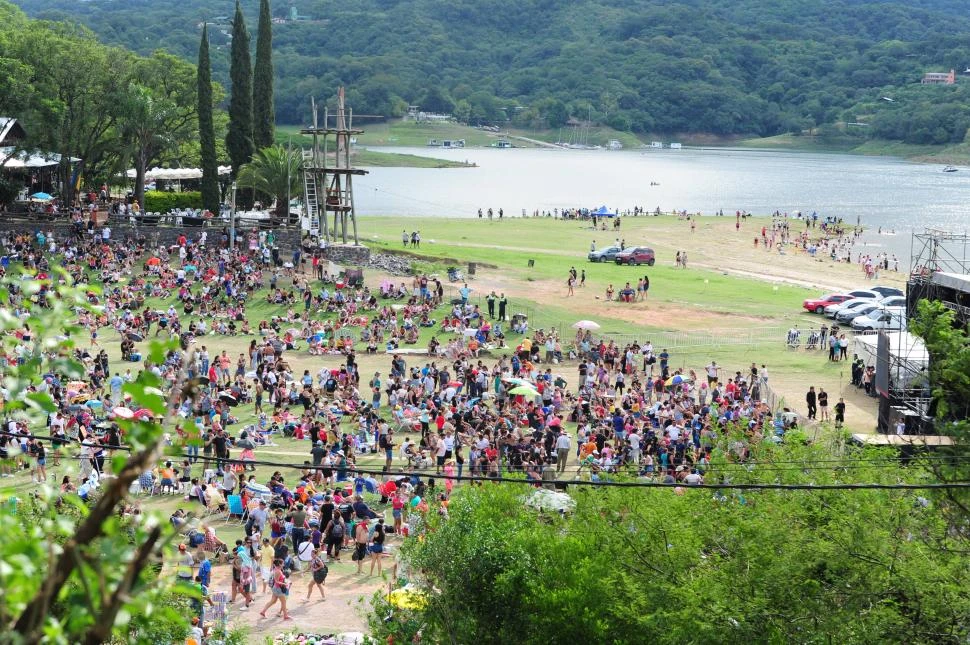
<point>950,169</point>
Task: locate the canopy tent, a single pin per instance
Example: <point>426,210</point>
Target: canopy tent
<point>166,174</point>
<point>602,211</point>
<point>24,159</point>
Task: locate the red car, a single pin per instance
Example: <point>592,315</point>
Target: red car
<point>636,255</point>
<point>818,305</point>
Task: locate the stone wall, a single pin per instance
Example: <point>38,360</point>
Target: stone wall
<point>287,239</point>
<point>347,254</point>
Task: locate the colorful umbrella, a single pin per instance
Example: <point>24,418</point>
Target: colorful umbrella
<point>524,390</point>
<point>676,379</point>
<point>123,413</point>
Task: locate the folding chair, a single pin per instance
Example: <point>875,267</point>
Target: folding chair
<point>235,508</point>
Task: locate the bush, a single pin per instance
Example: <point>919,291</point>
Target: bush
<point>157,201</point>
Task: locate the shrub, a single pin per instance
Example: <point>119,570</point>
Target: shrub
<point>157,201</point>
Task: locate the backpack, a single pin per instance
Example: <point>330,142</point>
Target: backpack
<point>337,530</point>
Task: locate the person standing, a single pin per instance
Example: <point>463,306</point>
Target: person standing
<point>562,451</point>
<point>360,543</point>
<point>490,300</point>
<point>840,413</point>
<point>502,306</point>
<point>811,400</point>
<point>823,403</point>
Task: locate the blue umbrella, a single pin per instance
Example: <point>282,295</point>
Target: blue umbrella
<point>676,379</point>
<point>41,196</point>
<point>94,403</point>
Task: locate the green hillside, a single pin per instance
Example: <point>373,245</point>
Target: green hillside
<point>724,67</point>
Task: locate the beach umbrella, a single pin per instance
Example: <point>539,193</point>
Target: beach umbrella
<point>190,268</point>
<point>228,398</point>
<point>203,380</point>
<point>153,390</point>
<point>153,262</point>
<point>143,413</point>
<point>455,384</point>
<point>586,324</point>
<point>43,197</point>
<point>524,390</point>
<point>123,413</point>
<point>408,597</point>
<point>518,381</point>
<point>137,338</point>
<point>94,403</point>
<point>676,379</point>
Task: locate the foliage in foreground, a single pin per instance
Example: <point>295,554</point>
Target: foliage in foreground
<point>76,572</point>
<point>642,565</point>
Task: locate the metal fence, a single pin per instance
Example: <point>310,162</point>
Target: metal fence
<point>707,338</point>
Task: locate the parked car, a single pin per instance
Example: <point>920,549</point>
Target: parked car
<point>607,254</point>
<point>860,308</point>
<point>834,310</point>
<point>818,305</point>
<point>888,291</point>
<point>636,255</point>
<point>893,301</point>
<point>865,293</point>
<point>890,318</point>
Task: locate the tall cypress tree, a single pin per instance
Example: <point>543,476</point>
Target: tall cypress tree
<point>207,130</point>
<point>264,118</point>
<point>239,139</point>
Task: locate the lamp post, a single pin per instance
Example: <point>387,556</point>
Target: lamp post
<point>232,219</point>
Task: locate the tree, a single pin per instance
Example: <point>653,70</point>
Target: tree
<point>159,112</point>
<point>635,565</point>
<point>277,172</point>
<point>207,133</point>
<point>264,117</point>
<point>239,139</point>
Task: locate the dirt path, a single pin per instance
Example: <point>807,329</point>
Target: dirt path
<point>347,595</point>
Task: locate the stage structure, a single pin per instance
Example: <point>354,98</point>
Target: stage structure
<point>939,270</point>
<point>328,175</point>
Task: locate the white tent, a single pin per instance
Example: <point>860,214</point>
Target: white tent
<point>908,357</point>
<point>175,173</point>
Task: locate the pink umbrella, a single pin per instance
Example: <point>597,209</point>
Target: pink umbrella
<point>123,413</point>
<point>143,413</point>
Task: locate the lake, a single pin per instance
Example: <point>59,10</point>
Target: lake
<point>879,191</point>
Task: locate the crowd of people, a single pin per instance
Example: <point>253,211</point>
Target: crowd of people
<point>432,422</point>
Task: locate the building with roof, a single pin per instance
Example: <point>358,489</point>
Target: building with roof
<point>939,78</point>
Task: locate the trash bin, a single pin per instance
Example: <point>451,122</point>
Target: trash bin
<point>471,268</point>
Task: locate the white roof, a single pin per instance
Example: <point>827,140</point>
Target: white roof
<point>24,159</point>
<point>902,344</point>
<point>956,281</point>
<point>176,173</point>
<point>10,130</point>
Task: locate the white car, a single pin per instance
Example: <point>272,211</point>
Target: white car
<point>893,301</point>
<point>890,318</point>
<point>834,310</point>
<point>848,315</point>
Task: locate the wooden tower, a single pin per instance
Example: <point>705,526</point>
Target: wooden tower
<point>328,174</point>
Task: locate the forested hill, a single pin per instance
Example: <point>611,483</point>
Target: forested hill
<point>651,66</point>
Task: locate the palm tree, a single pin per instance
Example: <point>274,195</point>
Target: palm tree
<point>274,171</point>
